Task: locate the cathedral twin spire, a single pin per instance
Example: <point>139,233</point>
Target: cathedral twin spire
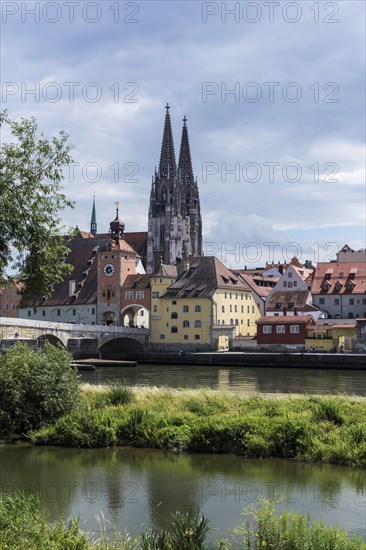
<point>167,166</point>
<point>175,226</point>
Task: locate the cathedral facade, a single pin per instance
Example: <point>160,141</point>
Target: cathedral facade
<point>174,219</point>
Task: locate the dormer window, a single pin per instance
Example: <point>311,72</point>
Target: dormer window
<point>326,286</point>
<point>327,276</point>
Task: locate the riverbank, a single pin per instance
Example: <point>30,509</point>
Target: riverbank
<point>307,428</point>
<point>23,526</point>
<point>348,361</point>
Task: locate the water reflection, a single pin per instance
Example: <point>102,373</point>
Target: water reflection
<point>138,488</point>
<point>244,379</point>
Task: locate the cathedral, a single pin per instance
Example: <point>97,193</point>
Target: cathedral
<point>174,220</point>
<point>109,282</point>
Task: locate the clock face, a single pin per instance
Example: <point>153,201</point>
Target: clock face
<point>108,270</point>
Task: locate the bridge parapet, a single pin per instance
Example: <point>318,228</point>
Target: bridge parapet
<point>27,329</point>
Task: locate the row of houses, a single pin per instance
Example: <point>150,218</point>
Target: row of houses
<point>200,302</point>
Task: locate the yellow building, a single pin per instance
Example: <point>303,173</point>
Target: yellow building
<point>338,337</point>
<point>203,305</point>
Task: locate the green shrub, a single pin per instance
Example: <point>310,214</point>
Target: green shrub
<point>36,387</point>
<point>119,394</point>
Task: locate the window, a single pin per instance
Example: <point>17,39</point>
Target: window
<point>155,309</point>
<point>350,286</point>
<point>197,324</point>
<point>93,310</point>
<point>162,336</point>
<point>29,312</point>
<point>290,275</point>
<point>197,309</point>
<point>236,309</point>
<point>252,309</point>
<point>284,283</point>
<point>242,309</point>
<point>197,337</point>
<point>43,313</point>
<point>326,286</point>
<point>351,302</point>
<point>174,302</point>
<point>140,295</point>
<point>129,295</point>
<point>248,322</point>
<point>290,284</point>
<point>267,329</point>
<point>185,324</point>
<point>236,322</point>
<point>321,301</point>
<point>185,309</point>
<point>295,283</point>
<point>231,308</point>
<point>230,295</point>
<point>242,296</point>
<point>236,295</point>
<point>336,301</point>
<point>280,329</point>
<point>223,309</point>
<point>294,329</point>
<point>231,321</point>
<point>174,329</point>
<point>155,294</point>
<point>225,295</point>
<point>174,315</point>
<point>341,275</point>
<point>58,312</point>
<point>185,337</point>
<point>74,311</point>
<point>364,301</point>
<point>350,315</point>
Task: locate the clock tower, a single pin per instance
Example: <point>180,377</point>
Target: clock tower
<point>116,260</point>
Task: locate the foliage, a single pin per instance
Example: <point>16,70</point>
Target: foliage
<point>36,387</point>
<point>287,427</point>
<point>23,526</point>
<point>119,394</point>
<point>290,531</point>
<point>31,199</point>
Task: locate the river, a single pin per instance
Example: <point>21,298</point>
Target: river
<point>135,489</point>
<point>243,379</point>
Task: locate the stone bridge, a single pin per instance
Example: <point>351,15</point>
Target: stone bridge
<point>110,342</point>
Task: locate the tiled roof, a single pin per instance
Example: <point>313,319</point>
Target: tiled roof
<point>287,299</point>
<point>167,270</point>
<point>285,319</point>
<point>253,280</point>
<point>339,271</point>
<point>136,281</point>
<point>202,278</point>
<point>83,257</point>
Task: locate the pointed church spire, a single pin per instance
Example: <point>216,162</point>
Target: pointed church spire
<point>185,162</point>
<point>93,221</point>
<point>167,167</point>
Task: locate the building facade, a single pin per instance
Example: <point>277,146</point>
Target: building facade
<point>174,219</point>
<point>339,288</point>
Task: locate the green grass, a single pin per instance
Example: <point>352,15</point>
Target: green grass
<point>23,526</point>
<point>328,429</point>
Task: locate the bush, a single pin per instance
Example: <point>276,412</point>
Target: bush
<point>119,394</point>
<point>36,387</point>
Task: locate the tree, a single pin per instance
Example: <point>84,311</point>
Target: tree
<point>36,387</point>
<point>31,199</point>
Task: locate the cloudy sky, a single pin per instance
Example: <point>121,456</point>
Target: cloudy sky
<point>273,92</point>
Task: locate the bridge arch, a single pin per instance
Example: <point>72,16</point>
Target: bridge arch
<point>117,348</point>
<point>135,315</point>
<point>52,339</point>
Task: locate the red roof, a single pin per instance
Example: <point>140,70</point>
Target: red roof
<point>342,271</point>
<point>283,319</point>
